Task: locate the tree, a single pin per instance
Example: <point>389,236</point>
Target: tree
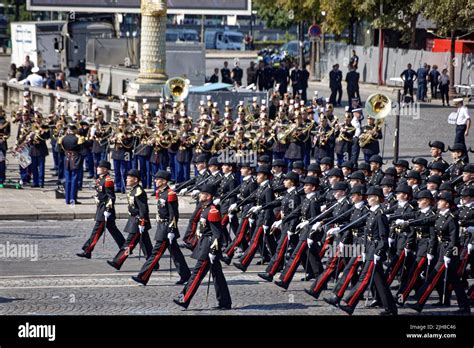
<point>450,16</point>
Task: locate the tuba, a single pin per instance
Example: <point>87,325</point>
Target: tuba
<point>177,88</point>
<point>378,105</point>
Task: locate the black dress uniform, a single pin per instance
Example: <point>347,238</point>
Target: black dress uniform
<point>419,236</point>
<point>265,217</point>
<point>290,202</point>
<point>310,208</point>
<point>138,216</point>
<point>376,245</point>
<point>350,273</point>
<point>376,178</point>
<point>5,130</point>
<point>105,201</point>
<point>167,226</point>
<point>227,185</point>
<point>445,242</point>
<point>210,235</point>
<point>247,188</point>
<point>465,217</point>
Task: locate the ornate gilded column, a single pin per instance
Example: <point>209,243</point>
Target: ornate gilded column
<point>152,74</point>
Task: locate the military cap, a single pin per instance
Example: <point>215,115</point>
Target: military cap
<point>404,188</point>
<point>327,160</point>
<point>313,167</point>
<point>201,158</point>
<point>438,144</point>
<point>446,186</point>
<point>312,180</point>
<point>264,168</point>
<point>376,158</point>
<point>264,159</point>
<point>279,163</point>
<point>446,196</point>
<point>209,188</point>
<point>335,172</point>
<point>364,166</point>
<point>104,164</point>
<point>347,164</point>
<point>134,172</point>
<point>358,175</point>
<point>298,165</point>
<point>401,163</point>
<point>340,186</point>
<point>162,174</point>
<point>435,179</point>
<point>420,160</point>
<point>424,194</point>
<point>390,171</point>
<point>213,161</point>
<point>413,174</point>
<point>387,182</point>
<point>358,189</point>
<point>457,147</point>
<point>375,191</point>
<point>467,192</point>
<point>292,176</point>
<point>469,168</point>
<point>438,166</point>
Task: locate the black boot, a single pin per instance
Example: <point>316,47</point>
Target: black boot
<point>266,276</point>
<point>333,301</point>
<point>84,254</point>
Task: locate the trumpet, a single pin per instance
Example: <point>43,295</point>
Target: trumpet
<point>369,136</point>
<point>342,130</point>
<point>281,137</point>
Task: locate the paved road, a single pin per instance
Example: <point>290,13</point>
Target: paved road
<point>61,283</point>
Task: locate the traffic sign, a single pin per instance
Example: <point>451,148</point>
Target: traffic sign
<point>314,31</point>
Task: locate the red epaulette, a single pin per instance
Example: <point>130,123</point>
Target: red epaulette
<point>214,215</point>
<point>109,182</point>
<point>172,197</point>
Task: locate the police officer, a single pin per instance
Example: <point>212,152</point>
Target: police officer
<point>408,76</point>
<point>335,84</point>
<point>138,222</point>
<point>352,80</point>
<point>167,232</point>
<point>207,253</point>
<point>105,213</point>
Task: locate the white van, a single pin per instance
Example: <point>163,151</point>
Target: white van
<point>224,40</point>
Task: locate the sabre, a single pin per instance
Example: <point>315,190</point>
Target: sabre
<point>445,282</point>
<point>140,247</point>
<point>208,283</point>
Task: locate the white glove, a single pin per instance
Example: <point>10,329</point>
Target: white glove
<point>170,237</point>
<point>216,201</point>
<point>258,208</point>
<point>363,257</point>
<point>341,248</point>
<point>212,257</point>
<point>289,234</point>
<point>141,228</point>
<point>251,222</point>
<point>470,229</point>
<point>172,187</point>
<point>391,241</point>
<point>161,203</point>
<point>276,224</point>
<point>469,248</point>
<point>195,192</point>
<point>323,207</point>
<point>399,222</point>
<point>107,215</point>
<point>316,226</point>
<point>430,257</point>
<point>252,210</point>
<point>265,228</point>
<point>232,207</point>
<point>376,259</point>
<point>183,191</point>
<point>407,252</point>
<point>447,260</point>
<point>310,242</point>
<point>333,231</point>
<point>302,225</point>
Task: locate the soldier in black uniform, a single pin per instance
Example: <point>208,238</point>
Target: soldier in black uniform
<point>388,186</point>
<point>227,185</point>
<point>310,208</point>
<point>105,213</point>
<point>376,245</point>
<point>458,152</point>
<point>353,258</point>
<point>167,232</point>
<point>376,163</point>
<point>400,248</point>
<point>420,165</point>
<point>413,179</point>
<point>246,189</point>
<point>207,253</point>
<point>339,216</point>
<point>5,130</point>
<point>71,144</point>
<point>282,78</point>
<point>467,179</point>
<point>261,220</point>
<point>437,148</point>
<point>374,134</point>
<point>287,225</point>
<point>225,74</point>
<point>138,222</point>
<point>466,227</point>
<point>444,242</point>
<point>39,151</point>
<point>419,238</point>
<point>352,79</point>
<point>335,83</point>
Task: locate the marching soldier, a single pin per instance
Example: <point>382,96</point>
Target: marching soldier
<point>445,243</point>
<point>287,224</point>
<point>376,163</point>
<point>466,227</point>
<point>105,212</point>
<point>138,222</point>
<point>207,253</point>
<point>376,244</point>
<point>458,152</point>
<point>261,220</point>
<point>369,138</point>
<point>437,148</point>
<point>420,165</point>
<point>310,208</point>
<point>167,232</point>
<point>227,187</point>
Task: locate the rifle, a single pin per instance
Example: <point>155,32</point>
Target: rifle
<point>316,218</point>
<point>338,217</point>
<point>178,187</point>
<point>231,193</point>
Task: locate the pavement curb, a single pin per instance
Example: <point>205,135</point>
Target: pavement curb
<point>66,216</point>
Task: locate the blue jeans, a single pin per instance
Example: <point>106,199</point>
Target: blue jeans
<point>70,186</point>
<point>25,174</point>
<point>3,168</point>
<point>80,173</point>
<point>145,170</point>
<point>60,166</point>
<point>173,165</point>
<point>121,167</point>
<point>55,156</point>
<point>90,163</point>
<point>183,172</point>
<point>37,167</point>
<point>420,91</point>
